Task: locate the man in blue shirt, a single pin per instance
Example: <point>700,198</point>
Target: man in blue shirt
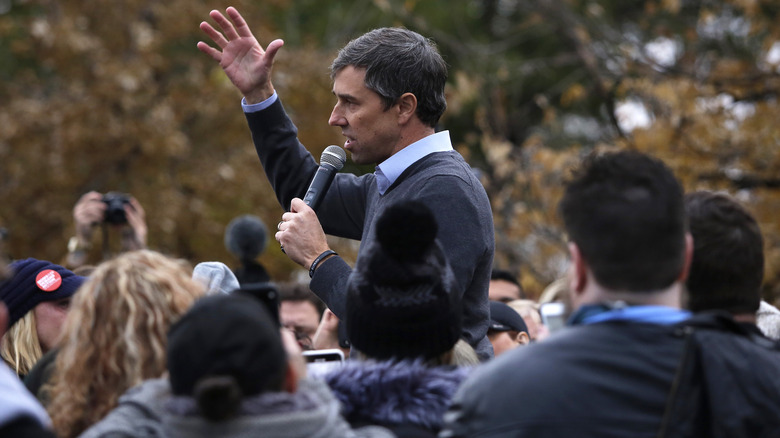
<point>389,88</point>
<point>631,363</point>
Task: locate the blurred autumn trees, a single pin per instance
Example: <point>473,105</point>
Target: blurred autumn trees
<point>114,96</point>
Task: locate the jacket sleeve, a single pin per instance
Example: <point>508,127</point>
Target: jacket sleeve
<point>290,169</point>
<point>330,284</point>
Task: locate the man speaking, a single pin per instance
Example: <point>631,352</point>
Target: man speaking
<point>389,89</point>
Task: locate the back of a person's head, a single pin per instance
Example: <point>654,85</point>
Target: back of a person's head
<point>728,257</point>
<point>115,334</point>
<point>402,301</point>
<point>624,211</point>
<point>226,348</point>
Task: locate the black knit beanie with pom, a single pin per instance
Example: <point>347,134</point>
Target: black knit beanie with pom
<point>403,301</point>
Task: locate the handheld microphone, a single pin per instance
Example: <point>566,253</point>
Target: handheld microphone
<point>331,161</point>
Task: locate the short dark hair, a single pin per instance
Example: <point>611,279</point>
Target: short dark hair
<point>502,274</point>
<point>399,61</point>
<point>294,291</point>
<point>624,211</point>
<point>728,254</point>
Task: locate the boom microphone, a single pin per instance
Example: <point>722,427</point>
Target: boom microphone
<point>331,161</point>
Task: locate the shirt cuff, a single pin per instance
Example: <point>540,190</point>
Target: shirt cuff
<point>255,107</point>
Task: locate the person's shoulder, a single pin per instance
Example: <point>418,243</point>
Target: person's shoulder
<point>531,364</point>
<point>149,395</point>
<point>139,413</point>
<point>539,362</point>
<point>447,163</point>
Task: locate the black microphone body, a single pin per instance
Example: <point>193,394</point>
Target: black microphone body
<point>332,160</point>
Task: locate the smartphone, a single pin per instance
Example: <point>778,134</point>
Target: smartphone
<point>267,294</point>
<point>553,315</point>
<point>321,362</point>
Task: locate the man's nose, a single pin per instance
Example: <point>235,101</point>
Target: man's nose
<point>336,117</point>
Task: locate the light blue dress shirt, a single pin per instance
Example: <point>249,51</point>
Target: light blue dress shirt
<point>389,170</point>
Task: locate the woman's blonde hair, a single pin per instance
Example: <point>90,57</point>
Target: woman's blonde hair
<point>115,335</point>
<point>20,347</point>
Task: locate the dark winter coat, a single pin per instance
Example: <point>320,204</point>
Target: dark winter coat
<point>707,376</point>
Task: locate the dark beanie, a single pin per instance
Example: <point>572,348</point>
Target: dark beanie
<point>34,282</point>
<point>403,300</point>
<point>226,336</point>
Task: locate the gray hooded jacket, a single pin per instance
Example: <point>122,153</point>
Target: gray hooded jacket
<point>150,410</point>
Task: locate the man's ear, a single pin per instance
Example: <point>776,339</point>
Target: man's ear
<point>688,258</point>
<point>579,270</point>
<point>522,338</point>
<point>407,107</point>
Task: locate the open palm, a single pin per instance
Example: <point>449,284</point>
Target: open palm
<point>240,55</point>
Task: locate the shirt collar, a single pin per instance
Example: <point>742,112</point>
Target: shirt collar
<point>592,314</point>
<point>389,170</point>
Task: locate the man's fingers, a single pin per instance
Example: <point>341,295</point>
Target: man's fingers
<point>227,27</point>
<point>240,24</point>
<point>214,53</point>
<point>298,206</point>
<point>214,34</point>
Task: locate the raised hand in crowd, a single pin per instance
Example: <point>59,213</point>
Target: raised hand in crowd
<point>242,57</point>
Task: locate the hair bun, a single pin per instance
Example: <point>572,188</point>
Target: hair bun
<point>407,230</point>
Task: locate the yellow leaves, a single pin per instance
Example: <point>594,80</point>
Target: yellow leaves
<point>498,154</point>
<point>573,94</point>
<point>461,91</point>
<point>731,68</point>
<point>582,34</point>
<point>672,6</point>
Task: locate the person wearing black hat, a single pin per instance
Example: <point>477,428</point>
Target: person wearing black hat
<point>403,319</point>
<point>37,296</point>
<point>20,414</point>
<point>229,376</point>
<point>507,329</point>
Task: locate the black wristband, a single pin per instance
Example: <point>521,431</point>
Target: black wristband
<point>319,259</point>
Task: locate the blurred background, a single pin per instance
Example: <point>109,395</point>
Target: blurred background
<point>113,95</point>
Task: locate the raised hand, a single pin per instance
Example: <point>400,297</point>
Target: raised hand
<point>240,55</point>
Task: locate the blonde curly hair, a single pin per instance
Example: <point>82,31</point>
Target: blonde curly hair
<point>114,336</point>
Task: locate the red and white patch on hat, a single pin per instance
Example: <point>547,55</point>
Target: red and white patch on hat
<point>48,280</point>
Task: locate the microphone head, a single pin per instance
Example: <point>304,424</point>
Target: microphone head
<point>334,156</point>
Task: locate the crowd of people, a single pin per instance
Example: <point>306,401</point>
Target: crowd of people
<point>665,333</point>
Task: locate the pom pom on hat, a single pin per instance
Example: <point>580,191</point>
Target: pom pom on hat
<point>402,300</point>
<point>406,231</point>
<point>34,282</point>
